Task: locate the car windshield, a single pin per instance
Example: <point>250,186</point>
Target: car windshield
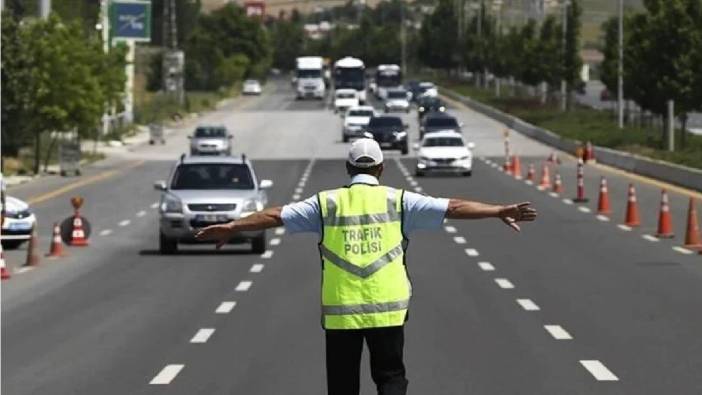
<point>345,95</point>
<point>210,132</point>
<point>212,176</point>
<point>314,73</point>
<point>442,122</point>
<point>432,102</point>
<point>385,121</point>
<point>443,142</point>
<point>251,82</point>
<point>397,95</point>
<point>360,113</point>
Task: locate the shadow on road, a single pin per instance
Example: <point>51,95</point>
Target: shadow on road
<point>197,252</point>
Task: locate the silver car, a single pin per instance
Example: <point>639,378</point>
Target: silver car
<point>210,140</point>
<point>203,191</point>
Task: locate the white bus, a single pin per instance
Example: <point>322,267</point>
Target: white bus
<point>387,77</point>
<point>309,81</point>
<point>350,73</point>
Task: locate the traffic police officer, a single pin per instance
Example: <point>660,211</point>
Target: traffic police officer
<point>365,287</point>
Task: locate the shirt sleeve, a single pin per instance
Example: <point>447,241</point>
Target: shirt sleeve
<point>423,212</point>
<point>302,216</point>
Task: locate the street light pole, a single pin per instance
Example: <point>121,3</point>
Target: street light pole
<point>620,67</point>
<point>564,85</point>
<point>403,38</point>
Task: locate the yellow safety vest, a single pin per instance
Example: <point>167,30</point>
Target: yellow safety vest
<point>364,279</point>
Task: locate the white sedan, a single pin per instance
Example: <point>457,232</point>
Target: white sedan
<point>251,87</point>
<point>355,121</point>
<point>444,151</point>
<point>18,224</point>
<point>345,99</point>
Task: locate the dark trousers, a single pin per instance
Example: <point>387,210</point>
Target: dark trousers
<point>344,348</point>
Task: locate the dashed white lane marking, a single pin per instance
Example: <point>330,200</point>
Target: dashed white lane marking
<point>584,209</point>
<point>154,205</point>
<point>267,255</point>
<point>558,332</point>
<point>202,335</point>
<point>683,250</point>
<point>296,196</point>
<point>598,370</point>
<point>125,222</point>
<point>280,231</point>
<point>24,269</point>
<point>105,232</point>
<point>414,183</point>
<point>504,283</point>
<point>225,307</point>
<point>568,201</point>
<point>553,194</point>
<point>275,241</point>
<point>243,286</point>
<point>450,229</point>
<point>528,305</point>
<point>167,374</point>
<point>418,189</point>
<point>486,266</point>
<point>298,190</point>
<point>529,182</point>
<point>256,268</point>
<point>650,238</point>
<point>459,240</point>
<point>603,218</point>
<point>141,213</point>
<point>624,227</point>
<point>472,252</point>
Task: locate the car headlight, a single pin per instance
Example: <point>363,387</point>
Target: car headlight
<point>464,157</point>
<point>250,207</point>
<point>171,204</point>
<point>421,109</point>
<point>442,108</point>
<point>18,214</point>
<point>399,135</point>
<point>424,159</point>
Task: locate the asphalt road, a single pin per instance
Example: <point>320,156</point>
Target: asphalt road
<point>572,305</point>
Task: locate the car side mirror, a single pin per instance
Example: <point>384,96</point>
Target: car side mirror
<point>160,185</point>
<point>189,137</point>
<point>265,184</point>
<point>461,124</point>
<point>230,137</point>
<point>405,126</point>
<point>415,147</point>
<point>471,145</point>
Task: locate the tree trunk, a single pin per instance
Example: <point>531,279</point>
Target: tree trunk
<point>683,135</point>
<point>47,157</point>
<point>37,153</point>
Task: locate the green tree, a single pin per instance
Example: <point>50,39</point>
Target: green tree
<point>572,64</point>
<point>438,35</point>
<point>288,43</point>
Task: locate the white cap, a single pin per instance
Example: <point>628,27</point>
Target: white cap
<point>365,153</point>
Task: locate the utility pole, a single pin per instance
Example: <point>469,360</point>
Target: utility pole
<point>620,67</point>
<point>403,38</point>
<point>671,125</point>
<point>173,58</point>
<point>564,84</point>
<point>104,27</point>
<point>44,9</point>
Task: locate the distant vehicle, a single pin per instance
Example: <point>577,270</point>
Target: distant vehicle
<point>18,224</point>
<point>309,81</point>
<point>251,87</point>
<point>350,73</point>
<point>345,99</point>
<point>605,95</point>
<point>438,121</point>
<point>427,89</point>
<point>397,100</point>
<point>389,132</point>
<point>387,77</point>
<point>412,87</point>
<point>428,104</point>
<point>203,191</point>
<point>211,140</point>
<point>444,152</point>
<point>355,121</point>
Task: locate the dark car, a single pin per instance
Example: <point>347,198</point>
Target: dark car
<point>438,121</point>
<point>412,87</point>
<point>389,132</point>
<point>429,104</point>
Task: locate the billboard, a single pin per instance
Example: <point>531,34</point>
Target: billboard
<point>130,20</point>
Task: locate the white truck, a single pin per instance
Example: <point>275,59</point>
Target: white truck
<point>310,77</point>
<point>350,73</point>
<point>387,77</point>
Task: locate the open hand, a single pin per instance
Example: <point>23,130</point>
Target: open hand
<point>514,213</point>
<point>220,233</point>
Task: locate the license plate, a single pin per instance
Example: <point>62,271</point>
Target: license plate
<point>20,226</point>
<point>211,218</point>
<point>385,145</point>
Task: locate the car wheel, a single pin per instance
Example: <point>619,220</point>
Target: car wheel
<point>419,173</point>
<point>258,245</point>
<point>467,173</point>
<point>404,149</point>
<point>167,245</point>
<point>345,138</point>
<point>11,244</point>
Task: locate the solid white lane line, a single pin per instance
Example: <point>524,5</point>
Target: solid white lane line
<point>459,240</point>
<point>650,238</point>
<point>105,232</point>
<point>624,227</point>
<point>568,201</point>
<point>486,266</point>
<point>167,374</point>
<point>275,241</point>
<point>225,307</point>
<point>682,250</point>
<point>256,268</point>
<point>125,222</point>
<point>279,231</point>
<point>504,283</point>
<point>472,252</point>
<point>528,305</point>
<point>584,209</point>
<point>558,332</point>
<point>202,335</point>
<point>450,229</point>
<point>267,255</point>
<point>141,213</point>
<point>154,205</point>
<point>603,218</point>
<point>243,286</point>
<point>598,370</point>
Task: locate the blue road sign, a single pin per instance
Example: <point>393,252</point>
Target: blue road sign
<point>130,20</point>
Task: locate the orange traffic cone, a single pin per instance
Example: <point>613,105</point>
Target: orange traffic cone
<point>589,155</point>
<point>693,240</point>
<point>603,206</point>
<point>4,273</point>
<point>516,167</point>
<point>56,249</point>
<point>557,183</point>
<point>32,257</point>
<point>78,238</point>
<point>665,220</point>
<point>507,166</point>
<point>553,158</point>
<point>632,209</point>
<point>580,197</point>
<point>531,173</point>
<point>545,177</point>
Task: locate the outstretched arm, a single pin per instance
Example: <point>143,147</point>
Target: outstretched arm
<point>510,214</point>
<point>264,219</point>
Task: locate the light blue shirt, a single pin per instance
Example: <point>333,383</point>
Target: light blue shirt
<point>420,211</point>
